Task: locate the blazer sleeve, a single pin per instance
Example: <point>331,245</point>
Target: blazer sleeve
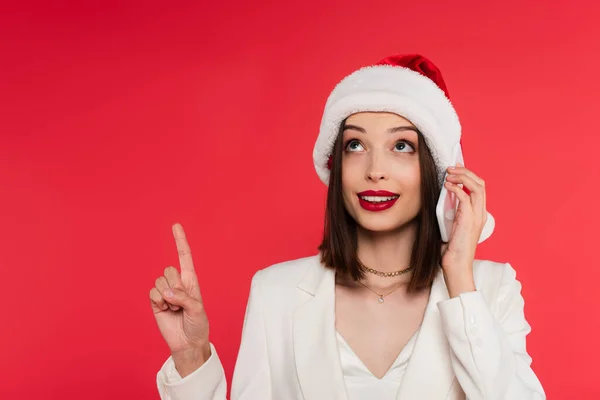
<point>251,376</point>
<point>487,342</point>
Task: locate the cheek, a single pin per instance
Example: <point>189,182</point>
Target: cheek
<point>348,186</point>
<point>351,172</point>
<point>410,178</point>
<point>351,183</point>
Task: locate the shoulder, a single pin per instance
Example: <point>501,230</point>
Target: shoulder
<point>278,287</point>
<point>488,272</point>
<point>497,280</point>
<point>286,274</point>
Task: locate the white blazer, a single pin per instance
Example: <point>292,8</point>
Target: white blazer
<point>468,347</point>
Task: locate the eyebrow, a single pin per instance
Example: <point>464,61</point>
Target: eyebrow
<point>390,130</point>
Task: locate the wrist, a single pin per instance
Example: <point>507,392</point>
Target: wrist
<point>189,360</point>
<point>459,282</point>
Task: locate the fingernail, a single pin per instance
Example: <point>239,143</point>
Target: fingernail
<point>169,293</point>
<point>451,167</point>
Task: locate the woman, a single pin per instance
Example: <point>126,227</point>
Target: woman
<point>385,310</point>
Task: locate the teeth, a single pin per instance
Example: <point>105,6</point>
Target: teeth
<point>377,199</point>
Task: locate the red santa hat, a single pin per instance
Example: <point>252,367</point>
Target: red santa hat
<point>408,85</point>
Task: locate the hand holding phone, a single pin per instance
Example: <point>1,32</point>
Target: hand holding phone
<point>447,206</point>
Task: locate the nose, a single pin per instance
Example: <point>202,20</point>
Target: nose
<point>377,167</point>
<point>376,176</point>
<point>376,170</point>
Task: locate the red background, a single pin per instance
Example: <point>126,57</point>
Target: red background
<point>121,118</point>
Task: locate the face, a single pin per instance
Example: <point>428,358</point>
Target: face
<point>381,177</point>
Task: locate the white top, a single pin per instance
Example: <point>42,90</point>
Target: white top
<point>361,384</point>
<point>472,346</point>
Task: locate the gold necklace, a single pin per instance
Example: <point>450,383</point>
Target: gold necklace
<point>381,296</point>
<point>384,274</point>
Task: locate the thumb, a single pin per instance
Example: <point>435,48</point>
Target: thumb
<point>180,298</point>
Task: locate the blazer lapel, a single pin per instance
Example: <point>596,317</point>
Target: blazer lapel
<point>315,343</point>
<point>429,374</point>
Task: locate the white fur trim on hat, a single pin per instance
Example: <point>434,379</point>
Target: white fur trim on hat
<point>394,89</point>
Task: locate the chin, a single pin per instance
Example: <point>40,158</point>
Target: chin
<point>383,223</point>
<point>392,219</point>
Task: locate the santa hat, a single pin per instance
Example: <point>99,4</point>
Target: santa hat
<point>408,85</point>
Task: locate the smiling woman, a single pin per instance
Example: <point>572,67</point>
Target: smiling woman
<point>385,310</point>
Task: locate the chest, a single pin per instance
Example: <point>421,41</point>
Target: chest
<point>378,332</point>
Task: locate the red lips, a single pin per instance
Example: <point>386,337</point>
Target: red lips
<point>379,206</point>
<point>384,193</point>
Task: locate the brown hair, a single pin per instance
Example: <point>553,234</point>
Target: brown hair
<point>338,248</point>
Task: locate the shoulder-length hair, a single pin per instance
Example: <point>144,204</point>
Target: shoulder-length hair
<point>338,249</point>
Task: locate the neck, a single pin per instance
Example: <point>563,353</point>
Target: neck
<point>387,252</point>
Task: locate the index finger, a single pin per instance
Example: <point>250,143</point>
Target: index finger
<point>469,173</point>
<point>184,251</point>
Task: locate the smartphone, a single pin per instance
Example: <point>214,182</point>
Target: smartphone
<point>447,204</point>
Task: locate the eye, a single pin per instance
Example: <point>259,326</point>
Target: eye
<point>353,145</point>
<point>403,146</point>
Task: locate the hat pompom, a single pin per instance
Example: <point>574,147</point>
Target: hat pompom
<point>420,64</point>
